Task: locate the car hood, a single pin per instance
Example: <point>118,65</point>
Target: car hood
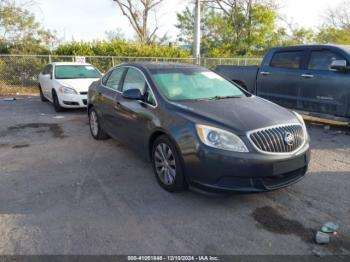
<point>80,85</point>
<point>239,114</point>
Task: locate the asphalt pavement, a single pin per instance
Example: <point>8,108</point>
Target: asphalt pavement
<point>62,192</point>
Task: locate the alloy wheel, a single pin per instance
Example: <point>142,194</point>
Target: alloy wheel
<point>93,123</point>
<point>165,164</point>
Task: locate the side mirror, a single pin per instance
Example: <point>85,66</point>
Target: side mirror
<point>133,94</point>
<point>339,65</point>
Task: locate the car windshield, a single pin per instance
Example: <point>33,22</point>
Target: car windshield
<point>76,71</point>
<point>193,84</point>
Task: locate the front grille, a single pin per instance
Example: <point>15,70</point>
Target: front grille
<point>281,139</point>
<point>83,93</point>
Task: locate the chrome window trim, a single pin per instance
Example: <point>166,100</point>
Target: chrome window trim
<point>148,84</point>
<point>277,126</point>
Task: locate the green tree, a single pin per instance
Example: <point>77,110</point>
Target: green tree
<point>303,35</point>
<point>209,20</point>
<point>118,47</point>
<point>330,34</point>
<point>20,32</point>
<point>232,27</point>
<point>296,35</point>
<point>336,28</point>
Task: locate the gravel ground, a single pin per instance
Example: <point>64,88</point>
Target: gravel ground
<point>61,192</point>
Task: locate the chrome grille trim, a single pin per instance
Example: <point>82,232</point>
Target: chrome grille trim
<point>271,140</point>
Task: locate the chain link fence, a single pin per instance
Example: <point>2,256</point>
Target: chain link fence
<point>19,73</point>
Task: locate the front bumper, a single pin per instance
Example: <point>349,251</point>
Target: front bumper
<point>72,101</point>
<point>217,170</point>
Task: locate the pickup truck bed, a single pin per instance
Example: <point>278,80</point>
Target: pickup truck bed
<point>310,78</point>
<point>246,74</point>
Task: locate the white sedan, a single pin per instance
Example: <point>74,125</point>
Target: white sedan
<point>66,84</point>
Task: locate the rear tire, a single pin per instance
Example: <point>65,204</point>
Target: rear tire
<point>56,103</point>
<point>167,165</point>
<point>96,129</point>
<point>42,97</point>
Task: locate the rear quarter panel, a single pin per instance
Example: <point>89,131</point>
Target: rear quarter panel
<point>93,92</point>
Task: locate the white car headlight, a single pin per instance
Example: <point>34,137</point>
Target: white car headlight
<point>67,90</point>
<point>221,139</point>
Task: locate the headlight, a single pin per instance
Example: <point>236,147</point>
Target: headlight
<point>67,90</point>
<point>221,139</point>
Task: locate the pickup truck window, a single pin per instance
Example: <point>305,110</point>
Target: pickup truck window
<point>322,60</point>
<point>289,59</point>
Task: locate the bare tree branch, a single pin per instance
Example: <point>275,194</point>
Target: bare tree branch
<point>137,12</point>
<point>339,17</point>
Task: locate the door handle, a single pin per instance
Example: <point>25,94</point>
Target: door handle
<point>307,76</point>
<point>265,73</point>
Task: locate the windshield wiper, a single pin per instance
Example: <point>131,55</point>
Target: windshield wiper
<point>225,97</point>
<point>217,98</point>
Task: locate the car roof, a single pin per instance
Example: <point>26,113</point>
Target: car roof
<point>161,65</point>
<point>70,63</point>
<point>312,46</point>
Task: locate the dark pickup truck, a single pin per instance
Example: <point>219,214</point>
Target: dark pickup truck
<point>313,79</point>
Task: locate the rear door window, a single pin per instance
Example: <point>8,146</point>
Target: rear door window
<point>322,60</point>
<point>113,81</point>
<point>290,59</point>
<point>105,77</point>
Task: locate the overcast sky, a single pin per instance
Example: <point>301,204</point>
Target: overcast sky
<point>90,19</point>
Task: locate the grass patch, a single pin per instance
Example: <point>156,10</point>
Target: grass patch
<point>13,90</point>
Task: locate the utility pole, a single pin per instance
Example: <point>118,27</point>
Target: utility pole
<point>197,33</point>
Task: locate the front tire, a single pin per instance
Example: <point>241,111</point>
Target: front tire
<point>56,103</point>
<point>167,165</point>
<point>42,97</point>
<point>96,129</point>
